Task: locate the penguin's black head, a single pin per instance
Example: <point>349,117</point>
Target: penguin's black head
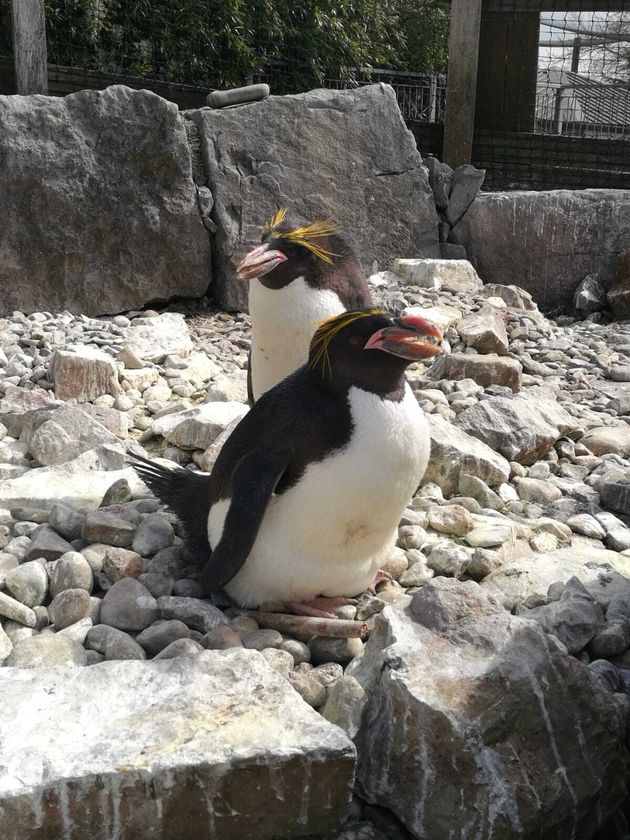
<point>371,348</point>
<point>291,249</point>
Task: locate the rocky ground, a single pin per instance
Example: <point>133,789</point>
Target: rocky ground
<point>526,502</point>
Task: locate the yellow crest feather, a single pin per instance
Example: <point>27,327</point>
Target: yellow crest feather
<point>306,234</point>
<point>278,217</point>
<point>328,329</point>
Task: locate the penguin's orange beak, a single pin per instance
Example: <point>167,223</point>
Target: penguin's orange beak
<point>260,260</point>
<point>411,337</point>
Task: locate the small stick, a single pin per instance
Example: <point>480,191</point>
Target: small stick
<point>307,626</point>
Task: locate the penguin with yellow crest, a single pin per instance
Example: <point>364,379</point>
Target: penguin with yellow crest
<point>298,276</point>
<point>304,500</point>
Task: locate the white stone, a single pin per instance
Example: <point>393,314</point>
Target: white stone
<point>220,729</point>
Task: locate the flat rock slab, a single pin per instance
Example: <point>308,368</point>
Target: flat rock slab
<point>213,746</point>
<point>98,203</point>
<point>546,242</point>
<point>328,153</point>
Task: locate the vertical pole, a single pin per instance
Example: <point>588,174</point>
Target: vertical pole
<point>461,82</point>
<point>29,46</point>
<point>575,55</point>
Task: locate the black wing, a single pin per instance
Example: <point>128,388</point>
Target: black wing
<point>187,494</point>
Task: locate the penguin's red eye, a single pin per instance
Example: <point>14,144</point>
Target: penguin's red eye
<point>355,340</point>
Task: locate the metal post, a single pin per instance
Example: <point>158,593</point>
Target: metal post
<point>463,50</point>
<point>29,46</point>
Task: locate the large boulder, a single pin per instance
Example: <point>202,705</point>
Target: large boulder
<point>477,725</point>
<point>521,429</point>
<point>217,745</point>
<point>99,209</point>
<point>546,242</point>
<point>455,453</point>
<point>327,153</point>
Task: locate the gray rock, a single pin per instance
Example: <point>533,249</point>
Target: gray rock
<point>441,680</point>
<point>484,331</point>
<point>47,545</point>
<point>450,275</point>
<point>298,650</point>
<point>261,639</point>
<point>169,562</point>
<point>590,295</point>
<point>454,453</point>
<point>309,689</point>
<point>159,635</point>
<point>42,651</point>
<point>613,638</point>
<point>222,637</point>
<point>66,521</point>
<point>181,647</point>
<point>605,574</point>
<point>466,183</point>
<point>574,619</point>
<point>537,490</point>
<point>68,607</point>
<point>145,228</point>
<point>198,427</point>
<point>102,526</point>
<point>61,434</point>
<point>196,614</point>
<point>521,429</point>
<point>6,645</point>
<point>78,631</point>
<point>118,493</point>
<point>17,402</point>
<point>375,166</point>
<point>501,234</point>
<point>71,571</point>
<point>281,661</point>
<point>120,563</point>
<point>113,643</point>
<point>157,337</point>
<point>619,607</point>
<point>486,370</point>
<point>81,373</point>
<point>157,585</point>
<point>207,705</point>
<point>344,704</point>
<point>189,588</point>
<point>28,583</point>
<point>340,651</point>
<point>152,534</point>
<point>128,605</point>
<point>16,611</point>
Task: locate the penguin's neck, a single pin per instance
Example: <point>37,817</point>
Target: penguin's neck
<point>283,323</point>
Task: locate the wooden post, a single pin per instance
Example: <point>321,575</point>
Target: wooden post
<point>29,46</point>
<point>463,50</point>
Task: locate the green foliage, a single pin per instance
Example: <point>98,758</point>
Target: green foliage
<point>223,42</point>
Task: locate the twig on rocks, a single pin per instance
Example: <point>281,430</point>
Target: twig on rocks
<point>306,626</point>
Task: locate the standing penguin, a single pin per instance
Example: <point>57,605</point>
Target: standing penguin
<point>299,275</point>
<point>306,495</point>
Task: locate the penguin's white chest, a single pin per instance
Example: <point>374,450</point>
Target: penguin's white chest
<point>328,534</point>
<point>283,323</point>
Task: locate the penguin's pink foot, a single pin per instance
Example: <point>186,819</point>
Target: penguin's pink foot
<point>319,607</point>
<point>380,577</point>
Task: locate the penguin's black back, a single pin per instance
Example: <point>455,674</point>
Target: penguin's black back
<point>300,415</point>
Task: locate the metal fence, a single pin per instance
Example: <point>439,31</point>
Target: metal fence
<point>552,100</point>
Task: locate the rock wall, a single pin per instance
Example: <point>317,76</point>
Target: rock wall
<point>546,242</point>
<point>98,205</point>
<point>343,154</point>
<point>108,197</point>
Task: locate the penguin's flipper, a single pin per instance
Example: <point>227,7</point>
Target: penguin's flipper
<point>254,480</point>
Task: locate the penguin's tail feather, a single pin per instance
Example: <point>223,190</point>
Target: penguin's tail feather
<point>187,494</point>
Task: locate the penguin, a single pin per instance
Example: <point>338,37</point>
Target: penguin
<point>299,275</point>
<point>305,498</point>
